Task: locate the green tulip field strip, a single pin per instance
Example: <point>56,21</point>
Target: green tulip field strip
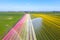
<point>7,21</point>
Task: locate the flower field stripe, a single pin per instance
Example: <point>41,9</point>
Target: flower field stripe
<point>32,35</point>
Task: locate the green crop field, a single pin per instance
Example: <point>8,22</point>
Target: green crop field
<point>7,21</point>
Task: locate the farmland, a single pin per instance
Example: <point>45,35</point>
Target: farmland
<point>50,29</point>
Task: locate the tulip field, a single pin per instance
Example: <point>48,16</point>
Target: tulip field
<point>29,26</point>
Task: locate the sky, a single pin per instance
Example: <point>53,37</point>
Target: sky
<point>29,5</point>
